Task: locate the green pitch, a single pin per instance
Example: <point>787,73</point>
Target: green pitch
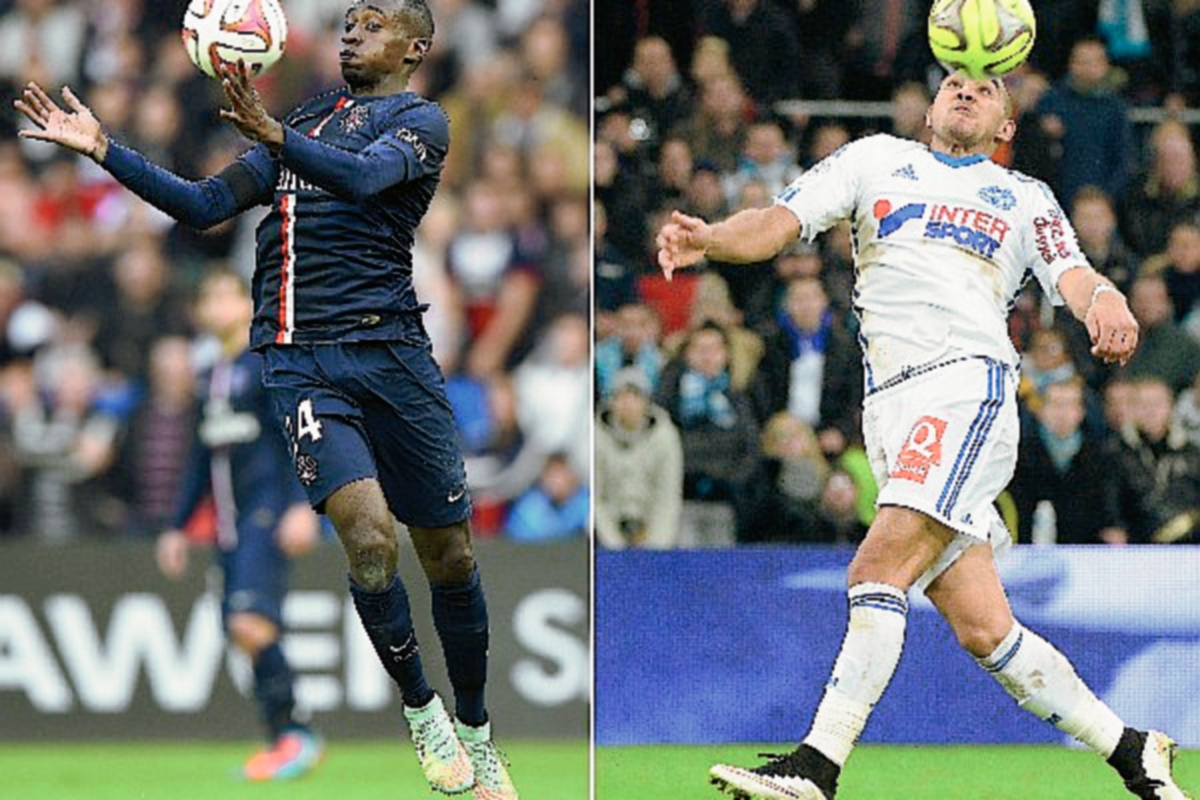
<point>884,773</point>
<point>204,771</point>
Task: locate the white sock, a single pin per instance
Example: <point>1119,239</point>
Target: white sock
<point>1044,683</point>
<point>864,667</point>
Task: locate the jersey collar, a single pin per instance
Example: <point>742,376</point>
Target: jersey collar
<point>956,161</point>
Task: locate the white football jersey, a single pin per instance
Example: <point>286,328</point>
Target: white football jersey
<point>942,247</point>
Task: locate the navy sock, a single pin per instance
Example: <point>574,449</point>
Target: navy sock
<point>460,617</point>
<point>273,690</point>
<point>388,621</point>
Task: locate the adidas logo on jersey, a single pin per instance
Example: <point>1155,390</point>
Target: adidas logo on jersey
<point>907,172</point>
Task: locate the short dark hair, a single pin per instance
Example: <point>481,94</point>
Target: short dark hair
<point>420,15</point>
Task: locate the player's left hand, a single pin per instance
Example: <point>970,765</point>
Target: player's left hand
<point>246,110</point>
<point>299,530</point>
<point>1112,328</point>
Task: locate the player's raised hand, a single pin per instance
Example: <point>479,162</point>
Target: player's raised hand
<point>681,242</point>
<point>1112,328</point>
<point>246,110</point>
<point>74,127</point>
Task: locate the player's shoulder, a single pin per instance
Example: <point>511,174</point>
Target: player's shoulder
<point>411,112</point>
<point>1037,190</point>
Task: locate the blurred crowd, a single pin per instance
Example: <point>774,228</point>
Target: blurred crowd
<point>98,348</point>
<point>728,400</point>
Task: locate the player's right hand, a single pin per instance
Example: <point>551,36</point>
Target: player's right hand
<point>77,129</point>
<point>172,553</point>
<point>682,242</point>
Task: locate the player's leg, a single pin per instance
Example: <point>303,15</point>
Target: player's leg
<point>970,597</point>
<point>900,545</point>
<point>255,583</point>
<point>336,465</point>
<point>460,618</point>
<point>421,469</point>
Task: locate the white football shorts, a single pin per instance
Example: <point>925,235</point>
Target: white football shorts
<point>942,440</point>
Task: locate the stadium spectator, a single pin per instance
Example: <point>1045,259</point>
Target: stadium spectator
<point>1179,266</point>
<point>1063,462</point>
<point>614,281</point>
<point>1186,416</point>
<point>763,46</point>
<point>625,190</point>
<point>873,44</point>
<point>639,468</point>
<point>812,367</point>
<point>152,449</point>
<point>717,126</point>
<point>146,306</point>
<point>1184,48</point>
<point>42,40</point>
<point>767,158</point>
<point>1165,193</point>
<point>553,393</point>
<point>794,475</point>
<point>719,436</point>
<point>632,342</point>
<point>65,441</point>
<point>1156,488</point>
<point>554,508</point>
<point>1165,351</point>
<point>712,305</point>
<point>839,519</point>
<point>497,282</point>
<point>1094,218</point>
<point>1091,121</point>
<point>654,90</point>
<point>910,101</point>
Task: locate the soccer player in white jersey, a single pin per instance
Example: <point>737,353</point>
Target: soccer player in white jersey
<point>944,239</point>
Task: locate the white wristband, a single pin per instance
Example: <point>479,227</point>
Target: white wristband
<point>1100,289</point>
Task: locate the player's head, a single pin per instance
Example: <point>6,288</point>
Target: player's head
<point>223,304</point>
<point>384,38</point>
<point>971,116</point>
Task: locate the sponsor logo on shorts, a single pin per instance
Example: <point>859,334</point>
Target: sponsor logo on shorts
<point>979,231</point>
<point>306,469</point>
<point>921,451</point>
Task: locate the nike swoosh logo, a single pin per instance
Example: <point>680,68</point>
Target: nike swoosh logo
<point>454,497</point>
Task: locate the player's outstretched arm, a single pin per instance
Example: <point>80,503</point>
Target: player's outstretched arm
<point>74,127</point>
<point>1102,308</point>
<point>748,236</point>
<point>200,204</point>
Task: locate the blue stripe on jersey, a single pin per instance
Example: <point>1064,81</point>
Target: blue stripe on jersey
<point>1002,662</point>
<point>981,426</point>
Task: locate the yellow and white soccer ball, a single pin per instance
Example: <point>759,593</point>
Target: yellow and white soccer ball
<point>219,32</point>
<point>983,38</point>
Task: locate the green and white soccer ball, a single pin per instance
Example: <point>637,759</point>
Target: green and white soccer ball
<point>983,38</point>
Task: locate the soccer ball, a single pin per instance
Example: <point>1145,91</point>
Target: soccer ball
<point>219,32</point>
<point>983,38</point>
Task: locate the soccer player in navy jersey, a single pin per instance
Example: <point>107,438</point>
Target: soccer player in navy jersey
<point>263,519</point>
<point>348,176</point>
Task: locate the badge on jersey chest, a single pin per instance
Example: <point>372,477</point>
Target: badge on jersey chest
<point>354,119</point>
<point>922,450</point>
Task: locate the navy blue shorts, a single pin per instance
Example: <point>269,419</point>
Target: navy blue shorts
<point>255,572</point>
<point>371,410</point>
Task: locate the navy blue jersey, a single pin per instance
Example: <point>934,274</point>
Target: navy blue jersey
<point>347,190</point>
<point>239,453</point>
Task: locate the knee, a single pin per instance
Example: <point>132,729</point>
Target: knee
<point>372,552</point>
<point>446,554</point>
<point>981,639</point>
<point>251,633</point>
